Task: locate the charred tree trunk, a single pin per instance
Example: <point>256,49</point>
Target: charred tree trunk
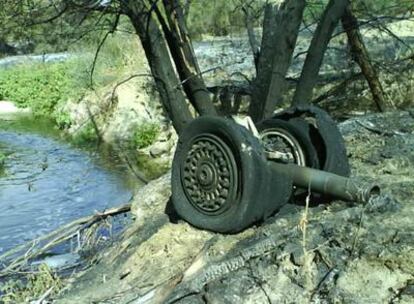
<point>361,57</point>
<point>309,76</point>
<point>185,60</point>
<point>254,44</point>
<point>280,30</point>
<point>162,69</point>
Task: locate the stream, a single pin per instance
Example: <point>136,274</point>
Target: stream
<point>48,181</point>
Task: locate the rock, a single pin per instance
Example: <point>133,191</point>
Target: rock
<point>59,261</point>
<point>8,107</point>
<point>152,198</point>
<point>160,148</point>
<point>117,110</point>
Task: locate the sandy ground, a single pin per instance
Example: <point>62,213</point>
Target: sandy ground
<point>348,253</point>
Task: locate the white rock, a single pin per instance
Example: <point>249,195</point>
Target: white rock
<point>8,107</point>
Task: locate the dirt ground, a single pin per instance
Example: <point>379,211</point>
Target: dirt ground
<point>337,253</point>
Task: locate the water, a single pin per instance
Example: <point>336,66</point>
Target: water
<point>12,61</point>
<point>48,182</point>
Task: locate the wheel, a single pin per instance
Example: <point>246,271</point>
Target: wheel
<point>292,144</point>
<point>324,134</point>
<point>220,177</point>
<point>317,136</point>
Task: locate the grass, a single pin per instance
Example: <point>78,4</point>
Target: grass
<point>145,135</point>
<point>2,159</point>
<point>86,134</point>
<point>35,285</point>
<point>152,168</point>
<point>2,162</point>
<point>46,87</point>
<point>38,86</point>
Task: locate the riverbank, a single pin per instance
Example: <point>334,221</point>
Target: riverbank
<point>8,107</point>
<point>315,255</point>
<point>347,254</point>
<point>48,180</point>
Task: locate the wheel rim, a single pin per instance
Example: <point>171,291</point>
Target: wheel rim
<point>280,140</point>
<point>209,175</point>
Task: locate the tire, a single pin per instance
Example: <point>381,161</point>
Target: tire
<point>321,140</point>
<point>301,138</point>
<point>215,154</point>
<point>324,134</point>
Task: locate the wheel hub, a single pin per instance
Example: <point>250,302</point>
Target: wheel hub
<point>281,145</point>
<point>209,174</point>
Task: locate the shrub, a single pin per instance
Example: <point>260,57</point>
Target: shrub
<point>2,160</point>
<point>38,86</point>
<point>86,134</point>
<point>32,287</point>
<point>145,135</point>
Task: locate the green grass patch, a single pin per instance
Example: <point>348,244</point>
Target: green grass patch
<point>46,87</point>
<point>2,162</point>
<point>2,159</point>
<point>87,134</point>
<point>152,168</point>
<point>30,288</point>
<point>145,135</point>
<point>41,87</point>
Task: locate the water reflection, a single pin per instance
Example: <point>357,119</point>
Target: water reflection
<point>49,182</point>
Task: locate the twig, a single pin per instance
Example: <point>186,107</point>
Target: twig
<point>354,243</point>
<point>303,224</point>
<point>139,175</point>
<point>60,235</point>
<point>98,50</point>
<point>126,80</point>
<point>44,296</point>
<point>375,130</point>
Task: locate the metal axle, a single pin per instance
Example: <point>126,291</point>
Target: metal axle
<point>327,183</point>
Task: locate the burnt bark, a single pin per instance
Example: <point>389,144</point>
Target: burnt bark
<point>361,56</point>
<point>185,60</point>
<point>309,76</point>
<point>254,44</point>
<point>280,30</point>
<point>156,51</point>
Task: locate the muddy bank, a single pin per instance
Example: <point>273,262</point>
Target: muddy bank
<point>338,253</point>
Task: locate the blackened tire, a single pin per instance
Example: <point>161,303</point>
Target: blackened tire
<point>301,137</point>
<point>321,130</point>
<point>324,134</point>
<point>208,150</point>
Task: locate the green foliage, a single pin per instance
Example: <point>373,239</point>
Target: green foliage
<point>45,87</point>
<point>40,86</point>
<point>369,8</point>
<point>218,17</point>
<point>151,167</point>
<point>145,135</point>
<point>119,53</point>
<point>363,9</point>
<point>2,160</point>
<point>313,10</point>
<point>86,134</point>
<point>34,286</point>
<point>62,119</point>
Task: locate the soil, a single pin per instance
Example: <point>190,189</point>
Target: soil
<point>337,253</point>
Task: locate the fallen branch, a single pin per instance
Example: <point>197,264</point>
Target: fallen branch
<point>27,251</point>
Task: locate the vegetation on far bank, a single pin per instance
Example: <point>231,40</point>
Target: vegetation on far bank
<point>46,87</point>
<point>2,161</point>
